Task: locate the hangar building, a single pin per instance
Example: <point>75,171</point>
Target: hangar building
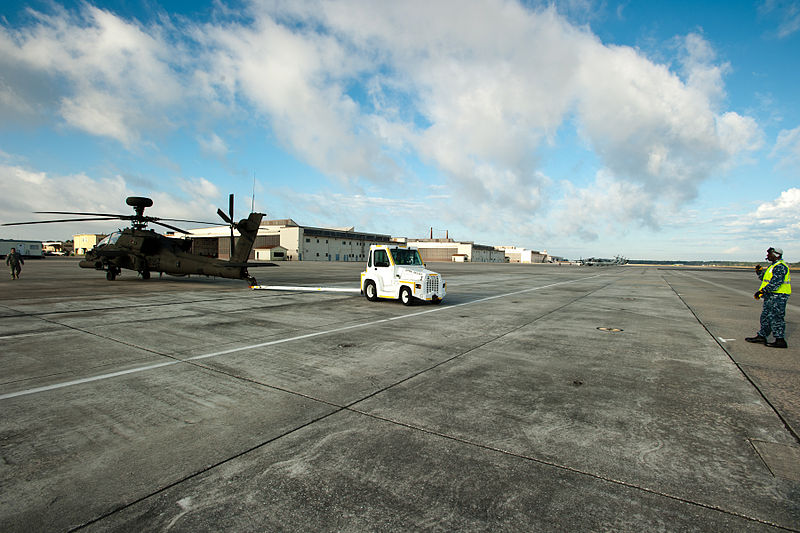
<point>523,255</point>
<point>298,243</point>
<point>449,250</point>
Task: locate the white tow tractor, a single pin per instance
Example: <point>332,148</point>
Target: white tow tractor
<point>397,271</point>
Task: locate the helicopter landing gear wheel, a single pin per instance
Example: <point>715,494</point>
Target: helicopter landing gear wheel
<point>111,274</point>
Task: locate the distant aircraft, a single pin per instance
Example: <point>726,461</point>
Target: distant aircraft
<point>595,261</point>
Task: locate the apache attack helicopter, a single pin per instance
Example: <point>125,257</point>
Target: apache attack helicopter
<point>145,251</point>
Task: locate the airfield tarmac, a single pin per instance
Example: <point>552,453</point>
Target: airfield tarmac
<point>200,405</point>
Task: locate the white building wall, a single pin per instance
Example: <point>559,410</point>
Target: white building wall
<point>522,255</point>
<point>291,237</point>
<point>469,250</point>
<point>86,241</point>
<point>307,244</point>
<point>345,248</point>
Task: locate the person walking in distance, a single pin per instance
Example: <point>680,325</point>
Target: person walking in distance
<point>15,262</point>
<point>775,289</point>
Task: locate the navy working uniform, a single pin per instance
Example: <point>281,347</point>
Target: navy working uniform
<point>775,289</point>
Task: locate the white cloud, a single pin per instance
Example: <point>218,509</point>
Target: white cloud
<point>200,187</point>
<point>773,223</point>
<point>295,80</point>
<point>738,134</point>
<point>213,146</point>
<point>651,128</point>
<point>699,69</point>
<point>353,87</point>
<point>604,208</point>
<point>787,148</point>
<point>489,88</point>
<point>787,14</point>
<point>114,75</point>
<point>24,191</point>
<point>367,212</point>
<point>782,211</point>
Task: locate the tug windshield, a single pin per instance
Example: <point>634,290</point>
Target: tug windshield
<point>403,256</point>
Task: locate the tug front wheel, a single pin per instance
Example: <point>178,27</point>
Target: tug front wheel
<point>405,296</point>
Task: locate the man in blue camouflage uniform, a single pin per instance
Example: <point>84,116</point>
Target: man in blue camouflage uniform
<point>775,289</point>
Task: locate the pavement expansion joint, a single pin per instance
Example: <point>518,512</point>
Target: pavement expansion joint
<point>574,470</point>
<point>723,344</point>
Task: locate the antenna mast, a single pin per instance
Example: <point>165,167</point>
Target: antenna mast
<point>253,201</point>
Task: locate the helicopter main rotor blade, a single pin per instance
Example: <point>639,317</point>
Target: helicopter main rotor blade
<point>182,220</point>
<point>87,214</point>
<point>170,226</point>
<point>56,221</point>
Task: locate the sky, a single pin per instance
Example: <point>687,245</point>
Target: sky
<point>587,128</point>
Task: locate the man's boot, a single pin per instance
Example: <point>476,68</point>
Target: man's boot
<point>758,339</point>
<point>779,343</point>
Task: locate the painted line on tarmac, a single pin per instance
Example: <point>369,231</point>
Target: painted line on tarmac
<point>135,370</point>
<point>19,335</point>
<point>730,289</point>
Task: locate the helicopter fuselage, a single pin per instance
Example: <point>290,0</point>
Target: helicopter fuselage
<point>146,252</point>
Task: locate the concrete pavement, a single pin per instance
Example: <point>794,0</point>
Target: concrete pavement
<point>199,405</point>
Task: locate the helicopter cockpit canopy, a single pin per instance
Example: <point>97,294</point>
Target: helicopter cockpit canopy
<point>109,239</point>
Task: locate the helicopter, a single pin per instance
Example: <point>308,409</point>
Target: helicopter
<point>145,251</point>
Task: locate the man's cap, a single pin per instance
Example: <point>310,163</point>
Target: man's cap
<point>778,251</point>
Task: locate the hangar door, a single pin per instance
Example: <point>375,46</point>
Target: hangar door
<point>437,254</point>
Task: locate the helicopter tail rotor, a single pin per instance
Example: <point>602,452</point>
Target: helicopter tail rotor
<point>229,219</point>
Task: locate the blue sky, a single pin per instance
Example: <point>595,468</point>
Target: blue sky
<point>662,130</point>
